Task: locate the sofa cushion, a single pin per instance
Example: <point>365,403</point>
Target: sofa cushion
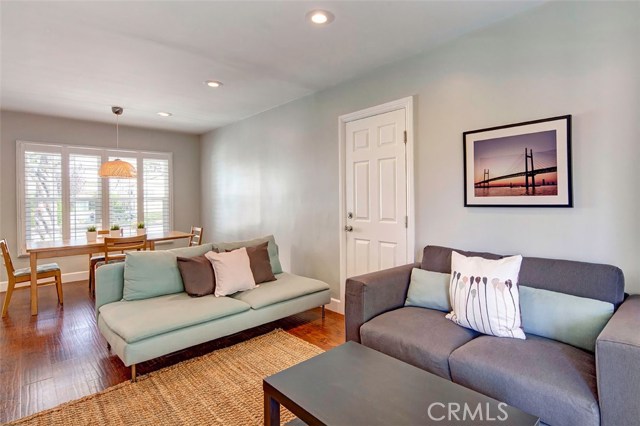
<point>197,275</point>
<point>493,284</point>
<point>155,273</point>
<point>232,270</point>
<point>272,248</point>
<point>260,263</point>
<point>140,319</point>
<point>543,377</point>
<point>421,337</point>
<point>191,251</point>
<point>150,274</point>
<point>570,319</point>
<point>286,287</point>
<point>428,289</point>
<point>592,280</point>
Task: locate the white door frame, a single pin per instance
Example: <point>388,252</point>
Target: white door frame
<point>407,105</point>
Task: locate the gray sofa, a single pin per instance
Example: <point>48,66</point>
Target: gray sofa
<point>169,319</point>
<point>560,383</point>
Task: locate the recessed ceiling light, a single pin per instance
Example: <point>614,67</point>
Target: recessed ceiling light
<point>164,114</point>
<point>213,83</point>
<point>320,17</point>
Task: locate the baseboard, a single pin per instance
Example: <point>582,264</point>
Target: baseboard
<point>66,278</point>
<point>335,306</point>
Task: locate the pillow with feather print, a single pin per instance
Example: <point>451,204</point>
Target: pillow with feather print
<point>484,295</point>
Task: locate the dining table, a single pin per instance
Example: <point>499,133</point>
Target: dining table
<point>74,247</point>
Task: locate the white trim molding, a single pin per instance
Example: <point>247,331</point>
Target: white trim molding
<point>335,306</point>
<point>408,105</point>
<point>66,278</point>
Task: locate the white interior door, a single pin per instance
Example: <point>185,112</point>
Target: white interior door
<point>376,193</point>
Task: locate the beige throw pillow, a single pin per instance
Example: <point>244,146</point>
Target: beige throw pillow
<point>232,271</point>
<point>484,295</point>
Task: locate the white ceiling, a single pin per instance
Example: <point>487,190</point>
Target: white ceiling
<point>76,59</point>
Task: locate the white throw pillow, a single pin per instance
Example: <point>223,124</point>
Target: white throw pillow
<point>232,271</point>
<point>484,295</point>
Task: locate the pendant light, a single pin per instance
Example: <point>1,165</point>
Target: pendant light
<point>117,168</point>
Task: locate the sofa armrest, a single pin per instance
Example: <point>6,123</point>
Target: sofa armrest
<point>618,365</point>
<point>373,294</point>
<point>109,284</point>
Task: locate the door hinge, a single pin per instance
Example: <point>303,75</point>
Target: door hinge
<point>406,221</point>
<point>405,136</point>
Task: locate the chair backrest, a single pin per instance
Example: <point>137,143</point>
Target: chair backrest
<point>7,258</point>
<point>103,231</point>
<point>120,244</point>
<point>196,236</point>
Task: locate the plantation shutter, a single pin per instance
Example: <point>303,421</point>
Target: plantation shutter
<point>60,193</point>
<point>123,200</point>
<point>85,193</point>
<point>157,212</point>
<point>42,195</point>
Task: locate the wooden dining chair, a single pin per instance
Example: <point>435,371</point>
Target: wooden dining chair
<point>97,257</point>
<point>16,276</point>
<point>114,251</point>
<point>196,236</point>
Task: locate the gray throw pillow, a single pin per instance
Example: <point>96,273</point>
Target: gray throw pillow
<point>197,275</point>
<point>260,263</point>
<point>272,248</point>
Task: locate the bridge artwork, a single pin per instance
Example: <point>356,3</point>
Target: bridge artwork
<point>546,161</point>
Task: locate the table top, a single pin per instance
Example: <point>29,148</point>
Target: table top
<point>42,246</point>
<point>356,385</point>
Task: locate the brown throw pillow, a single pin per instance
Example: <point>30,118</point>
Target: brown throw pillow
<point>197,275</point>
<point>260,263</point>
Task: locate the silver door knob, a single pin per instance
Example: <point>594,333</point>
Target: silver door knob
<point>348,228</point>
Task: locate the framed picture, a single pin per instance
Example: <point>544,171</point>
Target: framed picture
<point>519,165</point>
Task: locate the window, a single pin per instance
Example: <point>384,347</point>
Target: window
<point>85,193</point>
<point>123,199</point>
<point>43,195</point>
<point>156,189</point>
<point>60,193</point>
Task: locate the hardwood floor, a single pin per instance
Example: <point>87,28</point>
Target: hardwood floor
<point>60,355</point>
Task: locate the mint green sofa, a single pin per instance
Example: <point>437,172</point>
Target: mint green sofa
<point>146,328</point>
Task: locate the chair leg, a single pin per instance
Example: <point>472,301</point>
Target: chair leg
<point>59,287</point>
<point>7,297</point>
<point>92,273</point>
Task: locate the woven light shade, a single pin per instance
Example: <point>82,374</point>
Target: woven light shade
<point>117,169</point>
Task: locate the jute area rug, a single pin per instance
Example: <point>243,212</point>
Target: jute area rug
<point>220,388</point>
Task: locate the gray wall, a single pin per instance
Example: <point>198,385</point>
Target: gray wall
<point>37,128</point>
<point>277,172</point>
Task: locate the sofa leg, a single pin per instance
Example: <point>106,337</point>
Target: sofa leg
<point>322,311</point>
<point>133,373</point>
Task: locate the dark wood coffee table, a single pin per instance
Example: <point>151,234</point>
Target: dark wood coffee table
<point>355,385</point>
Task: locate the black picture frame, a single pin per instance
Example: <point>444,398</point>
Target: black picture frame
<point>532,161</point>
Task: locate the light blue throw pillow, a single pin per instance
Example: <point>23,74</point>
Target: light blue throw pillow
<point>429,289</point>
<point>150,274</point>
<point>574,320</point>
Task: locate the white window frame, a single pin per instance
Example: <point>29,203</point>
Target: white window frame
<point>104,153</point>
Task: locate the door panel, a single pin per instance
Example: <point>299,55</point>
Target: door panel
<point>361,190</point>
<point>388,254</point>
<point>362,256</point>
<point>388,187</point>
<point>376,193</point>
